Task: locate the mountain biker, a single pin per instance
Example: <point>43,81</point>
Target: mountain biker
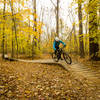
<point>56,44</point>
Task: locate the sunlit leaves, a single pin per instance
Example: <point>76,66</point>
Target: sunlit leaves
<point>22,2</point>
<point>19,16</point>
<point>35,15</point>
<point>27,11</point>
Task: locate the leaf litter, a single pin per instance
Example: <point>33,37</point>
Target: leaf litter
<point>28,81</point>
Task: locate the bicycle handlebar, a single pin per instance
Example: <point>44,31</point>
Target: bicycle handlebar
<point>63,47</point>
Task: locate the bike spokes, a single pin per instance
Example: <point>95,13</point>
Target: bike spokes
<point>67,58</point>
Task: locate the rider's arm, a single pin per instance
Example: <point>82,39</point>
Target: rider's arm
<point>54,43</point>
<point>63,43</point>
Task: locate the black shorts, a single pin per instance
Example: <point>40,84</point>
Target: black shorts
<point>57,48</point>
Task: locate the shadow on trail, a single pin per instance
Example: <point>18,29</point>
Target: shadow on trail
<point>58,64</point>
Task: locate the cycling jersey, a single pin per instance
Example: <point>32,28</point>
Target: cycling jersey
<point>57,43</point>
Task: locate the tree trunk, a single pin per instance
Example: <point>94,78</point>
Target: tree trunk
<point>6,50</point>
<point>57,19</point>
<point>39,42</point>
<point>12,53</point>
<point>98,10</point>
<point>34,26</point>
<point>3,38</point>
<point>28,42</point>
<point>86,37</point>
<point>93,30</point>
<point>80,29</point>
<point>14,21</point>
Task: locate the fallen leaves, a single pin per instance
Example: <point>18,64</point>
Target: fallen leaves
<point>28,81</point>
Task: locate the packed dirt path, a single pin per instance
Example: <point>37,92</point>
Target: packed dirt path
<point>77,70</point>
<point>74,68</point>
<point>31,80</point>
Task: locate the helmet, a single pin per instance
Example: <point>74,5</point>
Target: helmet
<point>56,39</point>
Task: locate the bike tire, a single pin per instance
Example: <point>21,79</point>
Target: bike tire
<point>67,58</point>
<point>54,57</point>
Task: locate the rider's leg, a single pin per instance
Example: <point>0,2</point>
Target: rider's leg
<point>57,48</point>
<point>55,52</point>
<point>59,56</point>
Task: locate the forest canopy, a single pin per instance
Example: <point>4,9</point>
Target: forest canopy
<point>29,27</point>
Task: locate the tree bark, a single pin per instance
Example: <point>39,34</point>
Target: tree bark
<point>86,37</point>
<point>3,38</point>
<point>12,52</point>
<point>34,26</point>
<point>14,21</point>
<point>93,30</point>
<point>80,29</point>
<point>57,19</point>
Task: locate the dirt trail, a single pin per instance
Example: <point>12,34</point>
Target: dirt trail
<point>26,80</point>
<point>76,68</point>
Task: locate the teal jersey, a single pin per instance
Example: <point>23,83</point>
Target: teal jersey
<point>57,43</point>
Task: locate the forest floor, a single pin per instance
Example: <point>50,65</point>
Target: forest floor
<point>28,81</point>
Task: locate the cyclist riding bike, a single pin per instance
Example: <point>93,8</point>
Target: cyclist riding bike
<point>56,44</point>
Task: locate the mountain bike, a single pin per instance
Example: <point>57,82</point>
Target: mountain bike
<point>60,52</point>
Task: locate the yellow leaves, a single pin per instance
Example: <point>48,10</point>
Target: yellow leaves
<point>35,15</point>
<point>18,15</point>
<point>36,34</point>
<point>34,22</point>
<point>22,21</point>
<point>72,4</point>
<point>27,11</point>
<point>22,2</point>
<point>7,31</point>
<point>2,1</point>
<point>27,30</point>
<point>27,91</point>
<point>19,78</point>
<point>1,16</point>
<point>14,1</point>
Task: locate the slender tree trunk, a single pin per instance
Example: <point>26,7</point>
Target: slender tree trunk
<point>14,21</point>
<point>42,12</point>
<point>6,50</point>
<point>3,39</point>
<point>57,16</point>
<point>35,18</point>
<point>39,41</point>
<point>16,35</point>
<point>61,25</point>
<point>12,53</point>
<point>57,19</point>
<point>99,26</point>
<point>34,26</point>
<point>80,29</point>
<point>75,40</point>
<point>86,32</point>
<point>29,41</point>
<point>41,27</point>
<point>93,30</point>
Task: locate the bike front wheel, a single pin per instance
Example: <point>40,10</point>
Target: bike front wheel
<point>67,58</point>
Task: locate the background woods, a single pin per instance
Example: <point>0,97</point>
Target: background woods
<point>28,27</point>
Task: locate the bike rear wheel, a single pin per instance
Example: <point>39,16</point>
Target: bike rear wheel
<point>67,58</point>
<point>54,57</point>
